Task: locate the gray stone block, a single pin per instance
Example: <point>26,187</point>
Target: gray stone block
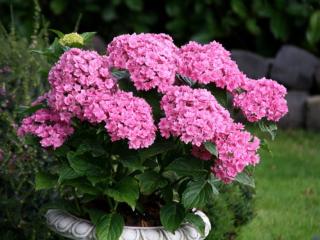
<point>294,68</point>
<point>317,78</point>
<point>296,116</point>
<point>313,113</point>
<point>253,65</point>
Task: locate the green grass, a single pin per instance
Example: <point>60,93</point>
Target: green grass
<point>288,190</point>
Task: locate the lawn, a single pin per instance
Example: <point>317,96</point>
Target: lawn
<point>288,190</point>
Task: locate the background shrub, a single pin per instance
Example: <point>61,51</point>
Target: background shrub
<point>258,25</point>
<point>20,82</point>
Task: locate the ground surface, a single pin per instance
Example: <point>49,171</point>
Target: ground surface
<point>288,190</point>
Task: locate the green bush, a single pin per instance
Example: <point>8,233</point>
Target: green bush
<point>259,25</point>
<point>20,82</point>
<point>232,209</point>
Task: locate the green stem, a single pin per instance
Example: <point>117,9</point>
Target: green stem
<point>77,202</point>
<point>115,206</point>
<point>110,203</point>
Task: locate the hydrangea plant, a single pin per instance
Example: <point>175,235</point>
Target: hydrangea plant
<point>144,134</point>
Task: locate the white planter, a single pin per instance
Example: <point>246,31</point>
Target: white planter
<point>71,227</point>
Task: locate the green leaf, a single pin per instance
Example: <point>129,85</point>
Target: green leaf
<point>58,33</point>
<point>150,181</point>
<point>279,26</point>
<point>58,6</point>
<point>268,127</point>
<point>187,166</point>
<point>133,163</point>
<point>83,186</point>
<point>110,227</point>
<point>171,216</point>
<point>67,173</point>
<point>239,8</point>
<point>95,215</point>
<point>126,190</point>
<point>87,36</point>
<point>61,151</point>
<point>94,147</point>
<point>245,179</point>
<point>135,5</point>
<point>25,111</point>
<point>264,145</point>
<point>219,94</point>
<point>167,193</point>
<point>82,166</point>
<point>120,74</point>
<point>155,149</point>
<point>212,181</point>
<point>109,14</point>
<point>211,148</point>
<point>196,221</point>
<point>313,31</point>
<point>45,181</point>
<point>126,84</point>
<point>197,194</point>
<point>252,26</point>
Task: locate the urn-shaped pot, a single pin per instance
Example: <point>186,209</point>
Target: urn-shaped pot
<point>71,227</point>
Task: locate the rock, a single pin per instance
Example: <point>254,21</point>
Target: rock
<point>317,78</point>
<point>296,116</point>
<point>294,68</point>
<point>253,65</point>
<point>313,113</point>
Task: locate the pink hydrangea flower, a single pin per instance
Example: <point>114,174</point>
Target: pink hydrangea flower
<point>125,117</point>
<point>194,115</point>
<point>262,98</point>
<point>53,128</point>
<point>151,59</point>
<point>210,63</point>
<point>130,118</point>
<point>237,149</point>
<point>76,74</point>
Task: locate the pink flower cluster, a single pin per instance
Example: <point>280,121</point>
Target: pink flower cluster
<point>236,150</point>
<point>151,59</point>
<point>77,75</point>
<point>125,117</point>
<point>51,127</point>
<point>194,115</point>
<point>210,63</point>
<point>262,98</point>
<point>82,86</point>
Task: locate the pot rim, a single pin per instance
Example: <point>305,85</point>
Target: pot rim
<point>72,226</point>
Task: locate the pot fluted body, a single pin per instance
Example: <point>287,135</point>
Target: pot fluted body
<point>71,227</point>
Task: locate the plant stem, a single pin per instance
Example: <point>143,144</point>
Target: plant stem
<point>110,203</point>
<point>115,206</point>
<point>77,202</point>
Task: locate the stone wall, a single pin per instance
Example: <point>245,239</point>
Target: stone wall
<point>296,69</point>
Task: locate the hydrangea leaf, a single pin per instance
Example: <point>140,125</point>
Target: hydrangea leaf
<point>126,190</point>
<point>245,179</point>
<point>110,227</point>
<point>172,215</point>
<point>197,194</point>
